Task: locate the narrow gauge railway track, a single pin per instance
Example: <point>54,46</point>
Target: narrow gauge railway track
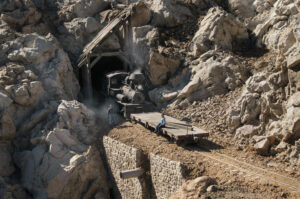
<point>252,170</point>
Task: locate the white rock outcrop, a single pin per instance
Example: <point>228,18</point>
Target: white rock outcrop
<point>168,13</point>
<point>35,71</point>
<point>214,74</point>
<point>161,68</point>
<point>276,28</point>
<point>218,30</point>
<point>64,154</point>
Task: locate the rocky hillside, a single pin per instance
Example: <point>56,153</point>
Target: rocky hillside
<point>232,67</point>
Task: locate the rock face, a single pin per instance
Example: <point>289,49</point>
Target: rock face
<point>242,8</point>
<point>144,38</point>
<point>276,29</point>
<point>161,68</point>
<point>213,75</point>
<point>218,30</point>
<point>141,15</point>
<point>34,71</point>
<point>168,13</point>
<point>259,109</point>
<point>37,69</point>
<point>19,12</point>
<point>63,154</point>
<point>86,8</point>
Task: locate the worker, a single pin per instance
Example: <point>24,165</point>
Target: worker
<point>111,120</point>
<point>161,124</point>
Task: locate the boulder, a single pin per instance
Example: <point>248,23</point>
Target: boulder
<point>79,120</point>
<point>259,102</point>
<point>43,73</point>
<point>50,62</point>
<point>218,30</point>
<point>193,188</point>
<point>5,101</point>
<point>282,146</point>
<point>258,83</point>
<point>161,68</point>
<point>88,8</point>
<point>144,38</point>
<point>291,121</point>
<point>293,79</point>
<point>141,14</point>
<point>273,28</point>
<point>243,9</point>
<point>247,131</point>
<point>32,48</point>
<point>24,12</point>
<point>82,27</point>
<point>293,56</point>
<point>263,144</point>
<point>52,169</point>
<point>168,13</point>
<point>162,95</point>
<point>214,74</point>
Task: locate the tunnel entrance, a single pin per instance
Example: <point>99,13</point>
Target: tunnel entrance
<point>98,72</point>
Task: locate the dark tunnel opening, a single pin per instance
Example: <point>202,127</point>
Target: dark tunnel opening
<point>98,75</point>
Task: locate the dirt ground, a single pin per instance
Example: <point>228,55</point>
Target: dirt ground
<point>232,182</point>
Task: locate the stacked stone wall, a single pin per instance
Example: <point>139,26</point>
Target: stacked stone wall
<point>121,157</point>
<point>167,176</point>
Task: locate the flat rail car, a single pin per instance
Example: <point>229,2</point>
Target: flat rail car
<point>178,131</point>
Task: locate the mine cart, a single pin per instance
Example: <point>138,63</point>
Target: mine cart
<point>178,131</point>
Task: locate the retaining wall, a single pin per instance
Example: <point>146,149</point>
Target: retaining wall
<point>166,175</point>
<point>122,157</point>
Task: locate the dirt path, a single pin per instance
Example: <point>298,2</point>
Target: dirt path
<point>238,177</point>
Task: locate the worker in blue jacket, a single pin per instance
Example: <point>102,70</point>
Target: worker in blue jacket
<point>161,124</point>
